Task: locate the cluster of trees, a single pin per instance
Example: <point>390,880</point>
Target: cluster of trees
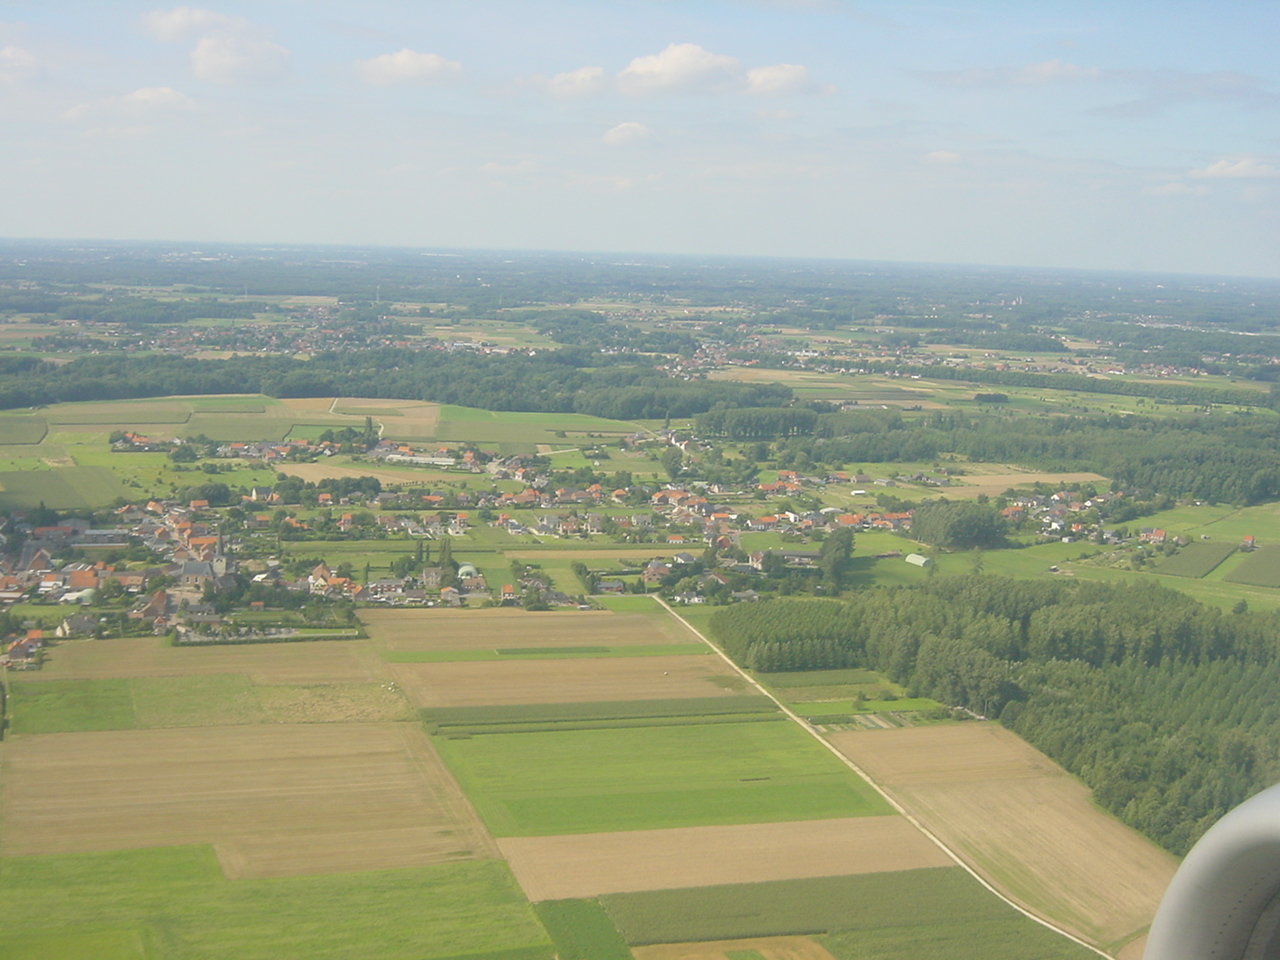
<point>1167,708</point>
<point>563,381</point>
<point>958,525</point>
<point>756,423</point>
<point>145,310</point>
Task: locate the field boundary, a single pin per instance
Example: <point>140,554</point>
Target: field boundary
<point>889,798</point>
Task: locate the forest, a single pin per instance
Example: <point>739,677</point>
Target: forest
<point>1165,707</point>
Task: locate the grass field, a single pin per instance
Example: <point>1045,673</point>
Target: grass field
<point>1260,569</point>
<point>593,781</point>
<point>938,912</point>
<point>59,488</point>
<point>22,430</point>
<point>753,948</point>
<point>593,864</point>
<point>581,930</point>
<point>1022,821</point>
<point>174,902</point>
<point>274,800</point>
<point>1196,560</point>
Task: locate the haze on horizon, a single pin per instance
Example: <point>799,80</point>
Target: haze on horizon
<point>1084,135</point>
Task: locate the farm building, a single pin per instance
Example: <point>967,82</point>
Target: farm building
<point>918,559</point>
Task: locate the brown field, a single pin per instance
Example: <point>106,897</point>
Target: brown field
<point>1022,822</point>
<point>274,800</point>
<point>587,680</point>
<point>315,472</point>
<point>328,661</point>
<point>308,404</point>
<point>334,703</point>
<point>400,419</point>
<point>771,948</point>
<point>588,865</point>
<point>994,484</point>
<point>489,629</point>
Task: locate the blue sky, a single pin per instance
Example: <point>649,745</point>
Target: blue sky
<point>1122,135</point>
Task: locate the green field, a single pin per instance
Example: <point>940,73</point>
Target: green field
<point>928,914</point>
<point>587,716</point>
<point>22,430</point>
<point>59,488</point>
<point>581,930</point>
<point>1260,569</point>
<point>485,426</point>
<point>642,778</point>
<point>173,902</point>
<point>1196,560</point>
<point>63,706</point>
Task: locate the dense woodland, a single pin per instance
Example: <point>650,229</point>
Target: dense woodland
<point>1167,708</point>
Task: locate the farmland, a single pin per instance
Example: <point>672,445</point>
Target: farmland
<point>638,778</point>
<point>1196,560</point>
<point>1021,821</point>
<point>588,865</point>
<point>1261,568</point>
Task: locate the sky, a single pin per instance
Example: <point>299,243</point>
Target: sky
<point>1125,134</point>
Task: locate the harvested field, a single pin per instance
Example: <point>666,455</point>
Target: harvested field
<point>274,800</point>
<point>308,404</point>
<point>994,484</point>
<point>588,865</point>
<point>1022,821</point>
<point>325,661</point>
<point>491,629</point>
<point>483,682</point>
<point>770,948</point>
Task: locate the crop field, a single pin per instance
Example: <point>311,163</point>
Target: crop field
<point>1196,560</point>
<point>545,653</point>
<point>60,488</point>
<point>171,902</point>
<point>1022,821</point>
<point>334,661</point>
<point>933,912</point>
<point>588,865</point>
<point>757,948</point>
<point>274,800</point>
<point>581,930</point>
<point>1260,569</point>
<point>994,484</point>
<point>22,430</point>
<point>507,627</point>
<point>525,429</point>
<point>643,778</point>
<point>569,680</point>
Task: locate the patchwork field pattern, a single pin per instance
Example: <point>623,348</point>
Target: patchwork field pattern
<point>275,800</point>
<point>1022,821</point>
<point>587,865</point>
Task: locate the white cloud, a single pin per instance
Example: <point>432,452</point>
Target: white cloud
<point>681,66</point>
<point>170,26</point>
<point>228,49</point>
<point>17,64</point>
<point>1246,167</point>
<point>146,101</point>
<point>165,98</point>
<point>577,83</point>
<point>780,79</point>
<point>238,60</point>
<point>628,132</point>
<point>942,156</point>
<point>407,66</point>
